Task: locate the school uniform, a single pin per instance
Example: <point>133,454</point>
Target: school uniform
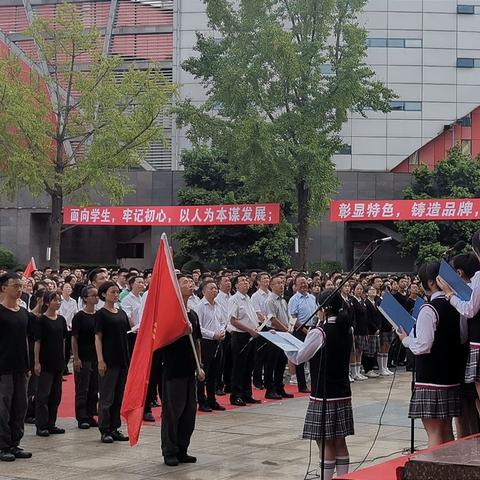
<point>374,320</point>
<point>435,342</point>
<point>360,329</point>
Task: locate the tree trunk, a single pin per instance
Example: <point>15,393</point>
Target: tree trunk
<point>55,230</point>
<point>302,224</point>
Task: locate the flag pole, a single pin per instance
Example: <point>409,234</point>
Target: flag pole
<point>197,361</point>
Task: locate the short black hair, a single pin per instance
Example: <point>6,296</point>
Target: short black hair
<point>235,279</point>
<point>131,279</point>
<point>9,276</point>
<point>92,274</point>
<point>428,272</point>
<point>86,290</point>
<point>102,290</point>
<point>468,262</point>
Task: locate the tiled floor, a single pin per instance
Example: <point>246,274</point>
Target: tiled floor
<point>258,442</point>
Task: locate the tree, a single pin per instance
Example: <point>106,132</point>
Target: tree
<point>67,129</point>
<point>458,176</point>
<point>280,83</point>
<point>209,181</point>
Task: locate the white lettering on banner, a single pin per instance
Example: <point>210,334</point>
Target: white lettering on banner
<point>138,214</point>
<point>234,214</point>
<point>418,209</point>
<point>465,209</point>
<point>208,215</point>
<point>260,214</point>
<point>373,210</point>
<point>433,209</point>
<point>449,209</point>
<point>246,214</point>
<point>160,217</point>
<point>358,210</point>
<point>74,214</point>
<point>84,215</point>
<point>344,210</point>
<point>387,210</point>
<point>127,215</point>
<point>105,215</point>
<point>95,215</point>
<point>185,215</point>
<point>222,214</point>
<point>149,215</point>
<point>196,216</point>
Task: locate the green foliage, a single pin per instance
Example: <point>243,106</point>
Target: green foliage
<point>325,267</point>
<point>209,180</point>
<point>458,176</point>
<point>271,105</point>
<point>7,258</point>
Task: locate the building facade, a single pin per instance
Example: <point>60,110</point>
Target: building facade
<point>427,51</point>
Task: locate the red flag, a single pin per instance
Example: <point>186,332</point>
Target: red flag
<point>30,268</point>
<point>164,320</point>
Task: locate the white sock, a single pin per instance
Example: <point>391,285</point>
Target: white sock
<point>329,469</point>
<point>383,359</point>
<point>342,464</point>
<point>352,369</point>
<point>359,368</point>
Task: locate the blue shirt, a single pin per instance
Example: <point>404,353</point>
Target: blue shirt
<point>302,306</point>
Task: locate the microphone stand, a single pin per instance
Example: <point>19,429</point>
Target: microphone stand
<point>323,360</point>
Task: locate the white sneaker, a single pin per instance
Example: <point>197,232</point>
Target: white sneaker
<point>389,372</point>
<point>293,380</point>
<point>359,377</point>
<point>372,374</point>
<point>351,378</point>
<point>384,372</point>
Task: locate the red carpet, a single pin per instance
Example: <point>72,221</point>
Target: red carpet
<point>382,471</point>
<point>67,407</point>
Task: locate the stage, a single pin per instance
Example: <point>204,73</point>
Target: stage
<point>457,460</point>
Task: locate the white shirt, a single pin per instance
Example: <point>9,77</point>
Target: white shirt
<point>68,309</point>
<point>471,307</point>
<point>241,307</point>
<point>143,300</point>
<point>131,306</point>
<point>210,318</point>
<point>425,329</point>
<point>193,301</point>
<point>222,300</point>
<point>313,342</point>
<point>259,300</point>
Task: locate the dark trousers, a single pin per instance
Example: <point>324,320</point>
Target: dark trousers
<point>300,369</point>
<point>31,392</point>
<point>13,406</point>
<point>155,381</point>
<point>274,368</point>
<point>243,356</point>
<point>111,388</point>
<point>86,391</point>
<point>211,357</point>
<point>224,374</point>
<point>48,398</point>
<point>261,353</point>
<point>68,349</point>
<point>179,408</point>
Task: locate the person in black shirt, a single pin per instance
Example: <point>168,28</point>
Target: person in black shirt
<point>111,344</point>
<point>50,334</point>
<point>85,367</point>
<point>179,402</point>
<point>14,366</point>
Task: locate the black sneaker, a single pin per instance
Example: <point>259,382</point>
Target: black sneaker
<point>118,436</point>
<point>84,425</point>
<point>148,417</point>
<point>273,396</point>
<point>106,438</point>
<point>185,458</point>
<point>42,432</point>
<point>56,430</point>
<point>216,406</point>
<point>18,452</point>
<point>30,420</point>
<point>170,460</point>
<point>203,407</point>
<point>6,455</point>
<point>92,422</point>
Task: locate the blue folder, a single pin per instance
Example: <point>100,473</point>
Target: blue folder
<point>456,283</point>
<point>395,313</point>
<point>416,308</point>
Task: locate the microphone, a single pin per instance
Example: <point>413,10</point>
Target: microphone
<point>383,240</point>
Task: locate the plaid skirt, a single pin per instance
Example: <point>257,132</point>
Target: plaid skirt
<point>338,419</point>
<point>361,342</point>
<point>373,345</point>
<point>431,402</point>
<point>386,338</point>
<point>472,370</point>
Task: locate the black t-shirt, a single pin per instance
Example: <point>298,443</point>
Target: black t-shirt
<point>51,334</point>
<point>114,328</point>
<point>178,357</point>
<point>83,328</point>
<point>32,320</point>
<point>13,341</point>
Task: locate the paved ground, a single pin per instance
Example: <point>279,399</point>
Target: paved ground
<point>259,442</point>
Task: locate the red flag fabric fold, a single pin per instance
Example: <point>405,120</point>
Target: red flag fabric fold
<point>30,268</point>
<point>164,321</point>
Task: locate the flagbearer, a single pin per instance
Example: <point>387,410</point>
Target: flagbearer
<point>179,404</point>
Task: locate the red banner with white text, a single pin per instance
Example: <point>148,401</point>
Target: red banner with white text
<point>206,215</point>
<point>426,210</point>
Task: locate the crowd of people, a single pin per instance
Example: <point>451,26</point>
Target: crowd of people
<point>87,322</point>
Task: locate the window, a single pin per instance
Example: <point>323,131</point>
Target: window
<point>476,62</point>
<point>345,150</point>
<point>465,62</point>
<point>466,9</point>
<point>465,121</point>
<point>413,43</point>
<point>413,159</point>
<point>467,147</point>
<point>397,105</point>
<point>326,69</point>
<point>376,42</point>
<point>406,106</point>
<point>394,42</point>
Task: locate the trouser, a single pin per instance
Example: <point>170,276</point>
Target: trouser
<point>261,353</point>
<point>13,406</point>
<point>111,388</point>
<point>48,398</point>
<point>154,381</point>
<point>224,374</point>
<point>68,349</point>
<point>86,391</point>
<point>179,407</point>
<point>274,368</point>
<point>243,354</point>
<point>211,357</point>
<point>31,392</point>
<point>300,369</point>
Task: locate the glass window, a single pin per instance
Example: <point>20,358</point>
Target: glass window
<point>397,105</point>
<point>396,42</point>
<point>465,121</point>
<point>476,62</point>
<point>376,42</point>
<point>413,43</point>
<point>465,62</point>
<point>345,150</point>
<point>467,147</point>
<point>326,69</point>
<point>413,106</point>
<point>466,9</point>
<point>413,159</point>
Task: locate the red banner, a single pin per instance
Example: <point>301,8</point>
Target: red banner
<point>429,209</point>
<point>206,215</point>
